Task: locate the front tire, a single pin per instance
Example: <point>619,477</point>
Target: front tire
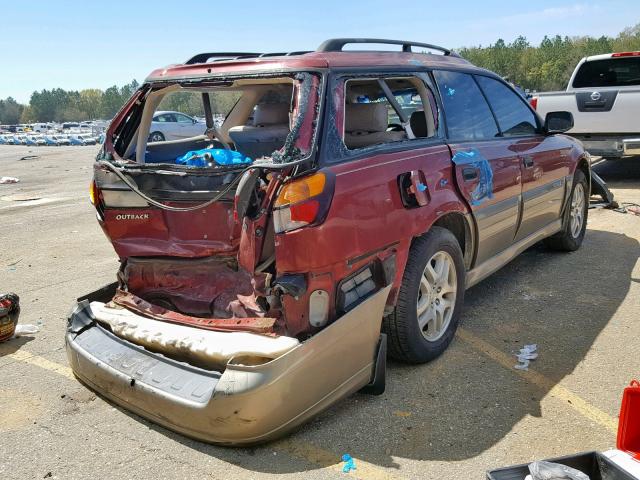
<point>430,299</point>
<point>574,222</point>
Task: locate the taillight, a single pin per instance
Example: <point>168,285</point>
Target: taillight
<point>95,196</point>
<point>625,54</point>
<point>93,193</point>
<point>303,202</point>
<point>533,101</point>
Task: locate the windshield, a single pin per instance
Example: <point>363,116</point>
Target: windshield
<point>612,72</point>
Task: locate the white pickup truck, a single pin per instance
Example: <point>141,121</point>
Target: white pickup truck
<point>604,97</point>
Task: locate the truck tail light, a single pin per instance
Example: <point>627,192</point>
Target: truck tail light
<point>533,101</point>
<point>625,54</point>
<point>303,202</point>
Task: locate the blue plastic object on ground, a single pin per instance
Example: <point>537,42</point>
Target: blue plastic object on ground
<point>350,463</point>
<point>209,157</point>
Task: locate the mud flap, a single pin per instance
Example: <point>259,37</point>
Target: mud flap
<point>379,378</point>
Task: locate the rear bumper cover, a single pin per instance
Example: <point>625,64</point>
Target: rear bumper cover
<point>243,404</point>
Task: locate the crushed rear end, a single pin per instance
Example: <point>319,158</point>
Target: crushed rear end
<point>240,403</point>
<point>204,332</point>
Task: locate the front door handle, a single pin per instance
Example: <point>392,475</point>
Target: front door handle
<point>469,174</point>
<point>527,161</point>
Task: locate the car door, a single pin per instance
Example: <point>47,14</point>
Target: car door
<point>487,170</point>
<point>186,126</point>
<point>544,160</point>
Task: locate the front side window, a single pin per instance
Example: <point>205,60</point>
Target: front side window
<point>467,114</point>
<point>514,117</point>
<point>183,119</point>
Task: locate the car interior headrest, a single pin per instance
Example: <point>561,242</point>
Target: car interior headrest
<point>366,117</point>
<point>271,114</point>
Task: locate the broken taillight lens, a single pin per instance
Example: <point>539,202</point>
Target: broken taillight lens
<point>303,202</point>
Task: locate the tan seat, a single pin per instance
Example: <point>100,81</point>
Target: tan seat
<point>365,124</point>
<point>267,133</point>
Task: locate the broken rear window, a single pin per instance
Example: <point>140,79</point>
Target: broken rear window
<point>230,121</point>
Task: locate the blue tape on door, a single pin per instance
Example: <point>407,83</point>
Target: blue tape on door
<point>484,188</point>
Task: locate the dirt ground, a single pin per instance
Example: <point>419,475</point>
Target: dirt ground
<point>455,418</point>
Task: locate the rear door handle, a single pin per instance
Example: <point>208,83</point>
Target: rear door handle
<point>527,161</point>
<point>469,174</point>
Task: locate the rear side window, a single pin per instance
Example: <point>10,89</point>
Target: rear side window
<point>373,116</point>
<point>514,117</point>
<point>467,114</point>
<point>612,72</point>
<point>166,117</point>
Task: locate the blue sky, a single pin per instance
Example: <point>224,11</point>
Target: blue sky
<point>96,44</point>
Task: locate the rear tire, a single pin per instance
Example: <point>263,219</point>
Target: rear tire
<point>156,137</point>
<point>430,299</point>
<point>574,221</point>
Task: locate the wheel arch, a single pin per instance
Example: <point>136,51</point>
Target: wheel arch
<point>584,165</point>
<point>461,226</point>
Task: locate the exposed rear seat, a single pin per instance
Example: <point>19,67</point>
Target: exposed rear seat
<point>366,124</point>
<point>268,132</point>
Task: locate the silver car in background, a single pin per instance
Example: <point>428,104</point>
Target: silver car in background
<point>174,126</point>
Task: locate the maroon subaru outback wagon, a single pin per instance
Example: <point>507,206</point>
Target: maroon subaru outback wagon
<point>333,209</point>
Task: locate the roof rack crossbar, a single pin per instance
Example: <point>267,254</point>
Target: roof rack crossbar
<point>337,45</point>
<point>203,57</point>
<point>222,56</point>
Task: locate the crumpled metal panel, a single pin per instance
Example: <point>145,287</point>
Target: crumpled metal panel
<point>138,305</point>
<point>207,287</point>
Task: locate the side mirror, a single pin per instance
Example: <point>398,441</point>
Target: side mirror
<point>558,122</point>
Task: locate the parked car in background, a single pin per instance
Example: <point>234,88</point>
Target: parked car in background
<point>75,140</point>
<point>252,296</point>
<point>51,141</point>
<point>174,126</point>
<point>88,139</point>
<point>29,140</point>
<point>604,97</point>
<point>61,139</point>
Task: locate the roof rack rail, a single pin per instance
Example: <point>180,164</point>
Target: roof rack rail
<point>222,56</point>
<point>203,57</point>
<point>337,45</point>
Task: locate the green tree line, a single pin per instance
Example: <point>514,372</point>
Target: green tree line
<point>58,105</point>
<point>549,65</point>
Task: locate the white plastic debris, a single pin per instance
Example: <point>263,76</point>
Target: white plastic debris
<point>554,471</point>
<point>526,354</point>
<point>9,180</point>
<point>25,330</point>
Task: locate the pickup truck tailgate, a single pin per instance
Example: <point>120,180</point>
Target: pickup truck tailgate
<point>597,110</point>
